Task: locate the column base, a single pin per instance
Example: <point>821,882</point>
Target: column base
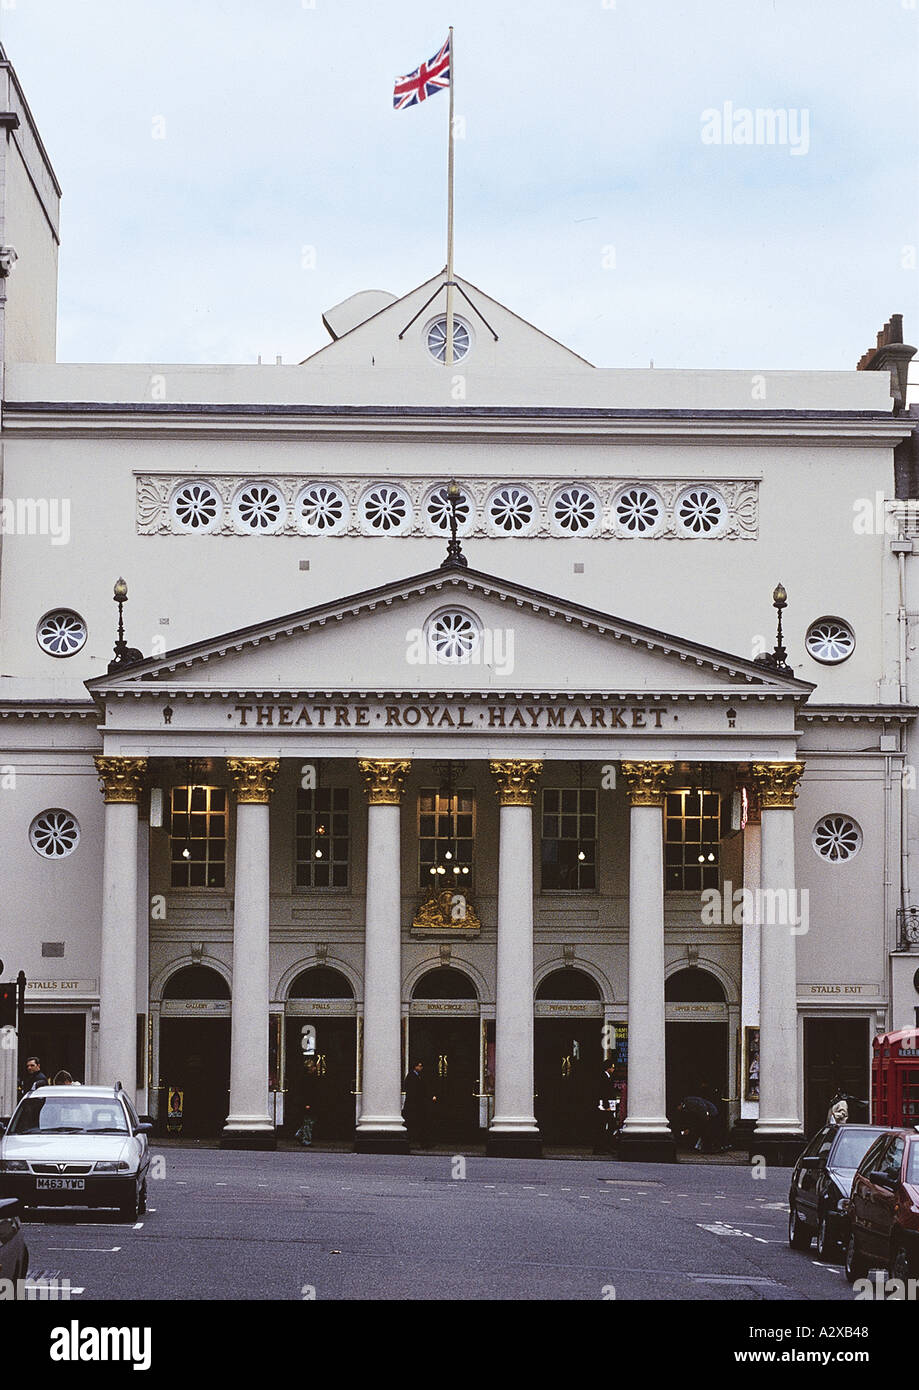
<point>779,1150</point>
<point>652,1146</point>
<point>508,1143</point>
<point>381,1141</point>
<point>233,1138</point>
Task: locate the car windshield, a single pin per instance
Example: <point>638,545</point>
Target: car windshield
<point>852,1146</point>
<point>52,1116</point>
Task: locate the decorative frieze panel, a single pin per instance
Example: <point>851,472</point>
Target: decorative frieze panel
<point>297,505</point>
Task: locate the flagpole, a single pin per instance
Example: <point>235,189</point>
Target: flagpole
<point>448,354</point>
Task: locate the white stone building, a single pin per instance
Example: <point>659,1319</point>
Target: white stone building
<point>644,840</point>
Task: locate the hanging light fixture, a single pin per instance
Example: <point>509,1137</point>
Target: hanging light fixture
<point>709,857</point>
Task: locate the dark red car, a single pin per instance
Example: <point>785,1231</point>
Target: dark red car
<point>883,1210</point>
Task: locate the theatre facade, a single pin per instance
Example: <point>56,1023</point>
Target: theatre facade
<point>600,753</point>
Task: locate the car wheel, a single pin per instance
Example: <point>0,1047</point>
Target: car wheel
<point>799,1235</point>
<point>855,1264</point>
<point>827,1244</point>
<point>900,1267</point>
<point>142,1201</point>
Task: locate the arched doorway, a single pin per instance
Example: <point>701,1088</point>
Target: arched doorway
<point>444,1035</point>
<point>568,1056</point>
<point>696,1039</point>
<point>195,1048</point>
<point>320,1053</point>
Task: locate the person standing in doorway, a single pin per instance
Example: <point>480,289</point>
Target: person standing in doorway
<point>416,1112</point>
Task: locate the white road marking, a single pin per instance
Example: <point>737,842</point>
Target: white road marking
<point>92,1250</point>
<point>138,1226</point>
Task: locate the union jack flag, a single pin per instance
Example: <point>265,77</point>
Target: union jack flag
<point>433,76</point>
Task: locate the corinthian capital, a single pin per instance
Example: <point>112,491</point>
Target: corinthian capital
<point>646,782</point>
<point>253,778</point>
<point>777,784</point>
<point>122,778</point>
<point>515,781</point>
<point>384,779</point>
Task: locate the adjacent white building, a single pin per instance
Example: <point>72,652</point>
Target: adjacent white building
<point>343,799</point>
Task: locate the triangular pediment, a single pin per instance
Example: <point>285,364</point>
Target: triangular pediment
<point>509,638</point>
<point>396,335</point>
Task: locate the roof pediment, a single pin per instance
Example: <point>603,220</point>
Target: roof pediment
<point>397,637</point>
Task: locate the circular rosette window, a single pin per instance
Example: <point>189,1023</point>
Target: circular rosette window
<point>385,511</point>
<point>322,509</point>
<point>837,838</point>
<point>61,632</point>
<point>453,636</point>
<point>700,511</point>
<point>259,508</point>
<point>829,641</point>
<point>512,511</point>
<point>638,510</point>
<point>436,338</point>
<point>54,834</point>
<point>575,511</point>
<point>437,512</point>
<point>196,507</point>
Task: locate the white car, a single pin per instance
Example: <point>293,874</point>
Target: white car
<point>76,1146</point>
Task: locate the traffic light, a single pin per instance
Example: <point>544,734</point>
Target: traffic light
<point>7,1005</point>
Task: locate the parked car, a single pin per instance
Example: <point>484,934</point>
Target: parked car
<point>821,1183</point>
<point>79,1146</point>
<point>14,1255</point>
<point>883,1209</point>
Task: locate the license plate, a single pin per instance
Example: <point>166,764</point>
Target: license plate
<point>60,1184</point>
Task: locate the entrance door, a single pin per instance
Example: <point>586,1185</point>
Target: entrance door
<point>57,1040</point>
<point>449,1051</point>
<point>837,1054</point>
<point>332,1107</point>
<point>697,1063</point>
<point>195,1058</point>
<point>568,1062</point>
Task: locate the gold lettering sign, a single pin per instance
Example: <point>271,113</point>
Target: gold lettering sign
<point>577,717</point>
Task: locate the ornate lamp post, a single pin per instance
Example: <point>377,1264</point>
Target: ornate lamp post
<point>124,655</point>
<point>455,554</point>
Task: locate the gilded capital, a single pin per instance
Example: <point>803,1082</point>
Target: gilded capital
<point>253,779</point>
<point>515,781</point>
<point>646,782</point>
<point>777,784</point>
<point>384,779</point>
<point>122,778</point>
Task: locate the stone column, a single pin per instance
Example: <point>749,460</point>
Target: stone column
<point>646,1133</point>
<point>749,965</point>
<point>380,1128</point>
<point>122,783</point>
<point>249,1124</point>
<point>779,1136</point>
<point>513,1129</point>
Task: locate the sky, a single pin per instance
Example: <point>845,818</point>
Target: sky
<point>231,169</point>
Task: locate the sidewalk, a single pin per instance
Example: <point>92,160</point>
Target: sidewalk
<point>730,1158</point>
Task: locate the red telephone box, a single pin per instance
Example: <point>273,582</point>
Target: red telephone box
<point>895,1079</point>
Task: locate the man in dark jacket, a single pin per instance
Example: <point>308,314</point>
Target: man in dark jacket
<point>416,1112</point>
<point>34,1074</point>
